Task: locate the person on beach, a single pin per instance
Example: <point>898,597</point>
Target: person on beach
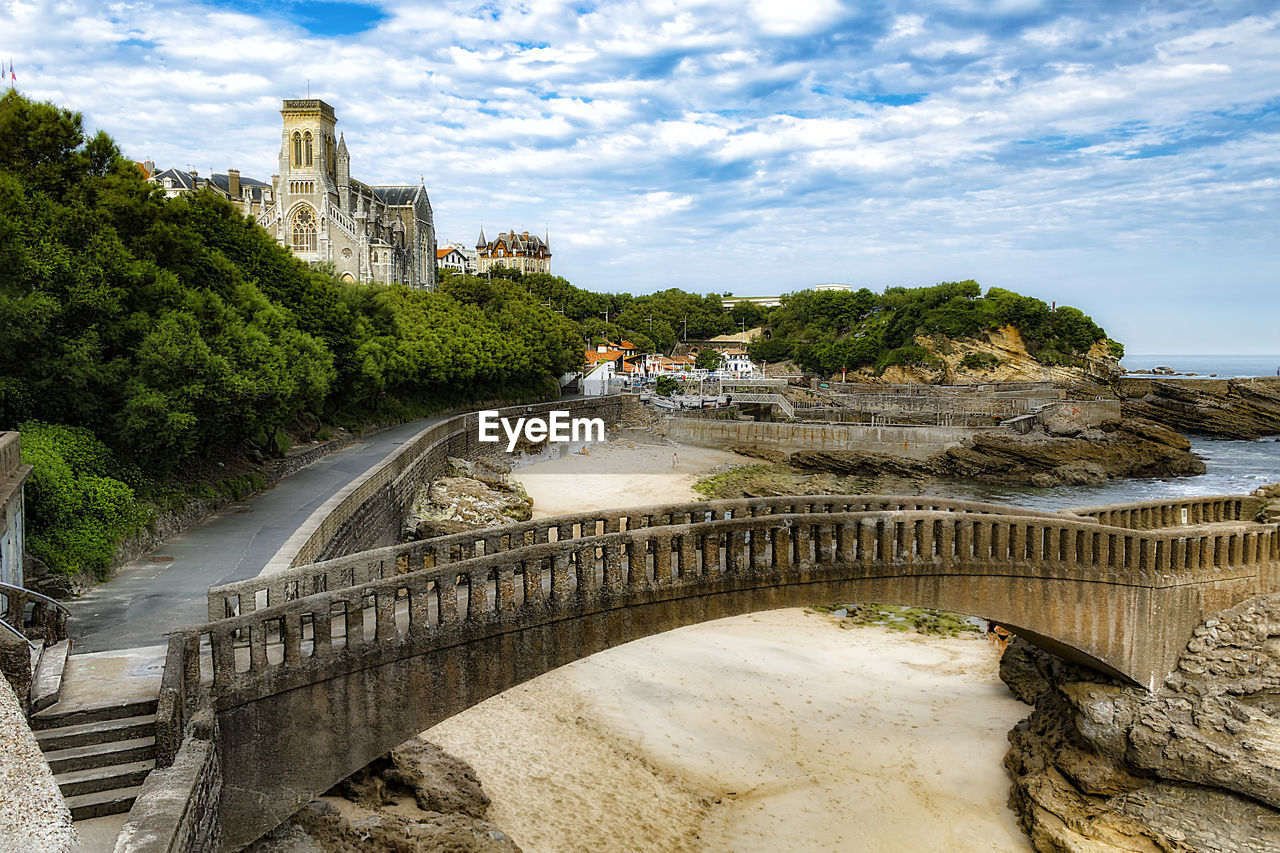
<point>675,458</point>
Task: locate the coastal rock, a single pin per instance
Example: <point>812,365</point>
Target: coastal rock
<point>1193,766</point>
<point>437,781</point>
<point>1131,448</point>
<point>1224,408</point>
<point>445,788</point>
<point>455,504</point>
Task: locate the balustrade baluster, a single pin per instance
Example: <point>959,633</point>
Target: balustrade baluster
<point>561,582</point>
<point>223,649</point>
<point>662,559</point>
<point>447,588</point>
<point>258,646</point>
<point>384,604</point>
<point>711,554</point>
<point>291,637</point>
<point>868,536</point>
<point>506,589</point>
<point>688,556</point>
<point>846,543</point>
<point>734,546</point>
<point>355,618</point>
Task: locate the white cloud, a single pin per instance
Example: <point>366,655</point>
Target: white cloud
<point>1005,142</point>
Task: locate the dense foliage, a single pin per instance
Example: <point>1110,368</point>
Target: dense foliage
<point>827,331</point>
<point>170,330</point>
<point>78,501</point>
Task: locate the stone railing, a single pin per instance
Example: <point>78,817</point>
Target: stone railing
<point>370,512</point>
<point>46,621</point>
<point>282,646</point>
<point>10,455</point>
<point>241,597</point>
<point>1158,514</point>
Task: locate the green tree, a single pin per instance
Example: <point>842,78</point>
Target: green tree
<point>708,359</point>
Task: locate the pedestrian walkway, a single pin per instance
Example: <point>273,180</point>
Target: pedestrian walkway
<point>152,595</point>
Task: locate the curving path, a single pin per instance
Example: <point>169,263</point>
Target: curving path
<point>147,599</point>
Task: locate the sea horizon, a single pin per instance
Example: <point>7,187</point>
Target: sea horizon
<point>1223,365</point>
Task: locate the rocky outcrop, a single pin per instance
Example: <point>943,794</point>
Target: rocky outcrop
<point>475,494</point>
<point>447,792</point>
<point>1130,448</point>
<point>996,355</point>
<point>1224,408</point>
<point>1193,766</point>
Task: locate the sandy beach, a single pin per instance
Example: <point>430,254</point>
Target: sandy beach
<point>620,473</point>
<point>766,732</point>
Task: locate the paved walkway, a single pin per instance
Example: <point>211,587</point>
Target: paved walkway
<point>153,594</point>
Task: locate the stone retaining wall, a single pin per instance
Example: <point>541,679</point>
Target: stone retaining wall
<point>912,442</point>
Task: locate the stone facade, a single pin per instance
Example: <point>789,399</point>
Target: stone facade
<point>371,234</point>
<point>517,251</point>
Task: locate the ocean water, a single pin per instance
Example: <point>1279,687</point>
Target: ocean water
<point>1226,366</point>
<point>1233,468</point>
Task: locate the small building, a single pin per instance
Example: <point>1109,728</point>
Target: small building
<point>517,251</point>
<point>737,362</point>
<point>450,258</point>
<point>13,474</point>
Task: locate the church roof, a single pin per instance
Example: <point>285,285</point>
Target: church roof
<point>396,195</point>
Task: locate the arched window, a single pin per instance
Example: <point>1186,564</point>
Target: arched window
<point>297,148</point>
<point>304,230</point>
<point>306,141</point>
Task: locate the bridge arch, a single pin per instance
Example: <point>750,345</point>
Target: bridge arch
<point>368,665</point>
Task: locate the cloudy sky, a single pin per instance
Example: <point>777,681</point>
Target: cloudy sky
<point>1117,156</point>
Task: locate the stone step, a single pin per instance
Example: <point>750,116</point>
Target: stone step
<point>52,718</point>
<point>110,778</point>
<point>101,731</point>
<point>46,685</point>
<point>102,803</point>
<point>100,754</point>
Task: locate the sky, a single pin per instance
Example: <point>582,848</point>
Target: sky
<point>1120,157</point>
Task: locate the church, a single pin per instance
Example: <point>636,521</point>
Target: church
<point>371,234</point>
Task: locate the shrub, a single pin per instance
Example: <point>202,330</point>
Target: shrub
<point>979,361</point>
<point>79,508</point>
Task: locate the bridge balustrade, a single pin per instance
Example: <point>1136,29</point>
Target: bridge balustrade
<point>1158,514</point>
<point>267,650</point>
<point>252,594</point>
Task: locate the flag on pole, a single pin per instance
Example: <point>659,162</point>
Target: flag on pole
<point>13,78</point>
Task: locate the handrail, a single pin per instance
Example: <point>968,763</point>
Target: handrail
<point>755,550</point>
<point>377,563</point>
<point>17,633</point>
<point>38,596</point>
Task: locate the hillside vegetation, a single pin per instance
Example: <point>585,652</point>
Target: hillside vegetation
<point>168,331</point>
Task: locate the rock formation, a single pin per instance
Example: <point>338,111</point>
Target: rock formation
<point>447,792</point>
<point>475,494</point>
<point>1194,766</point>
<point>1224,408</point>
<point>1073,456</point>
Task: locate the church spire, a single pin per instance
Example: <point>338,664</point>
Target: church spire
<point>342,147</point>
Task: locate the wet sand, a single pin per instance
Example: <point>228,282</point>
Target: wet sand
<point>767,732</point>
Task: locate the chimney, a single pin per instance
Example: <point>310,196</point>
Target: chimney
<point>233,183</point>
<point>194,173</point>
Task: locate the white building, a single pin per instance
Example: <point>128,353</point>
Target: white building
<point>13,474</point>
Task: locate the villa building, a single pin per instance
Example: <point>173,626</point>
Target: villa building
<point>514,251</point>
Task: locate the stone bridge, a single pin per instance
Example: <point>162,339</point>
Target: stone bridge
<point>302,677</point>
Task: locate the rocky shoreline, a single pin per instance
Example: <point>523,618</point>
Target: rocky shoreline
<point>1193,766</point>
<point>1219,408</point>
<point>1048,456</point>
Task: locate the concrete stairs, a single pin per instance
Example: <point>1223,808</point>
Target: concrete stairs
<point>1271,513</point>
<point>99,755</point>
